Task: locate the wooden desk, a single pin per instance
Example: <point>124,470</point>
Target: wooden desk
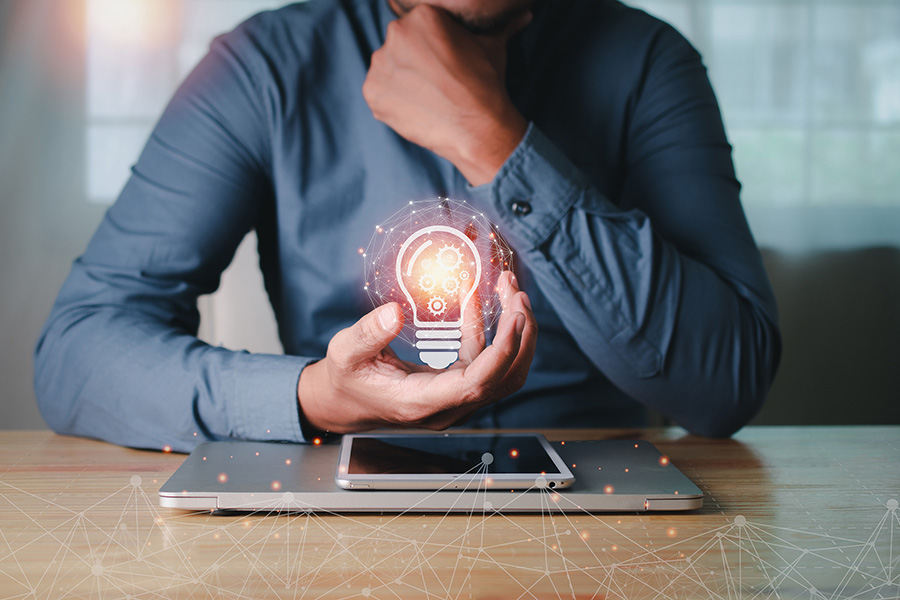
<point>790,513</point>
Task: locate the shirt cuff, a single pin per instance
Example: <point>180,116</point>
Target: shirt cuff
<point>263,401</point>
<point>533,190</point>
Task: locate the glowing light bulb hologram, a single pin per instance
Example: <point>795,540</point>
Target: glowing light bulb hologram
<point>441,260</point>
<point>438,269</point>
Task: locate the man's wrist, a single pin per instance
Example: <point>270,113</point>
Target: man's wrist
<point>480,158</point>
<point>306,393</point>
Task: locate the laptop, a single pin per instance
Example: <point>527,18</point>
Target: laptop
<point>610,476</point>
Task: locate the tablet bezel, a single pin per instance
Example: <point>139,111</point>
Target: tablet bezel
<point>430,481</point>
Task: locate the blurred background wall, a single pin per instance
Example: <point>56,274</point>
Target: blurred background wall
<point>810,92</point>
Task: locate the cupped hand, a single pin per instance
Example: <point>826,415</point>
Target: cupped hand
<point>361,384</point>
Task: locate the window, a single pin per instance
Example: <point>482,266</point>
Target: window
<point>810,94</point>
<point>138,51</point>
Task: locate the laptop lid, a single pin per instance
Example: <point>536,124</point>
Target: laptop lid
<point>610,476</point>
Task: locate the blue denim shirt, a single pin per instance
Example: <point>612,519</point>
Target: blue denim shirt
<point>646,283</point>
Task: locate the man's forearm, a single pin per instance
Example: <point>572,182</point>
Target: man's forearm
<point>696,344</point>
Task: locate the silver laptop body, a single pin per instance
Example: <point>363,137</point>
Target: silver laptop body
<point>610,476</point>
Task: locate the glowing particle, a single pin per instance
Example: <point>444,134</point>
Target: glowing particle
<point>276,485</point>
<point>671,531</point>
<point>223,477</point>
<point>317,441</point>
<point>608,489</point>
<point>514,453</point>
<point>167,448</point>
<point>360,250</point>
<point>663,460</point>
<point>287,461</point>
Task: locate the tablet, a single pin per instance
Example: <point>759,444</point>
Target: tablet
<point>450,461</point>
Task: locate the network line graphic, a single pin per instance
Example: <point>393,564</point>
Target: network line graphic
<point>142,551</point>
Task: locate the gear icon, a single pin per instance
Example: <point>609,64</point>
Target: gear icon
<point>450,285</point>
<point>449,258</point>
<point>426,283</point>
<point>464,275</point>
<point>437,306</point>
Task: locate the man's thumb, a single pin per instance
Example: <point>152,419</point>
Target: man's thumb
<point>373,332</point>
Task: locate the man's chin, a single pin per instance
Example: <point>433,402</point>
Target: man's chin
<point>472,21</point>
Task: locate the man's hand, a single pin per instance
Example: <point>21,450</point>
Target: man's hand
<point>361,384</point>
<point>442,87</point>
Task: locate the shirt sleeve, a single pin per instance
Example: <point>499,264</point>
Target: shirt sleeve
<point>119,358</point>
<point>663,288</point>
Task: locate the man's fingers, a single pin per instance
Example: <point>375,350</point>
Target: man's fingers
<point>488,370</point>
<point>367,337</point>
<point>506,288</point>
<point>518,372</point>
<point>473,325</point>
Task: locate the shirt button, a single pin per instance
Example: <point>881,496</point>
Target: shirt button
<point>521,207</point>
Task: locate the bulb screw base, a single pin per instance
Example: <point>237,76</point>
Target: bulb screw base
<point>438,360</point>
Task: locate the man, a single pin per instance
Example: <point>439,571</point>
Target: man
<point>587,131</point>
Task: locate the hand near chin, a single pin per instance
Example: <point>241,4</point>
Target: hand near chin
<point>361,384</point>
<point>442,87</point>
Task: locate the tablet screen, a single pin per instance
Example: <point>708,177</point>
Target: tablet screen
<point>451,455</point>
